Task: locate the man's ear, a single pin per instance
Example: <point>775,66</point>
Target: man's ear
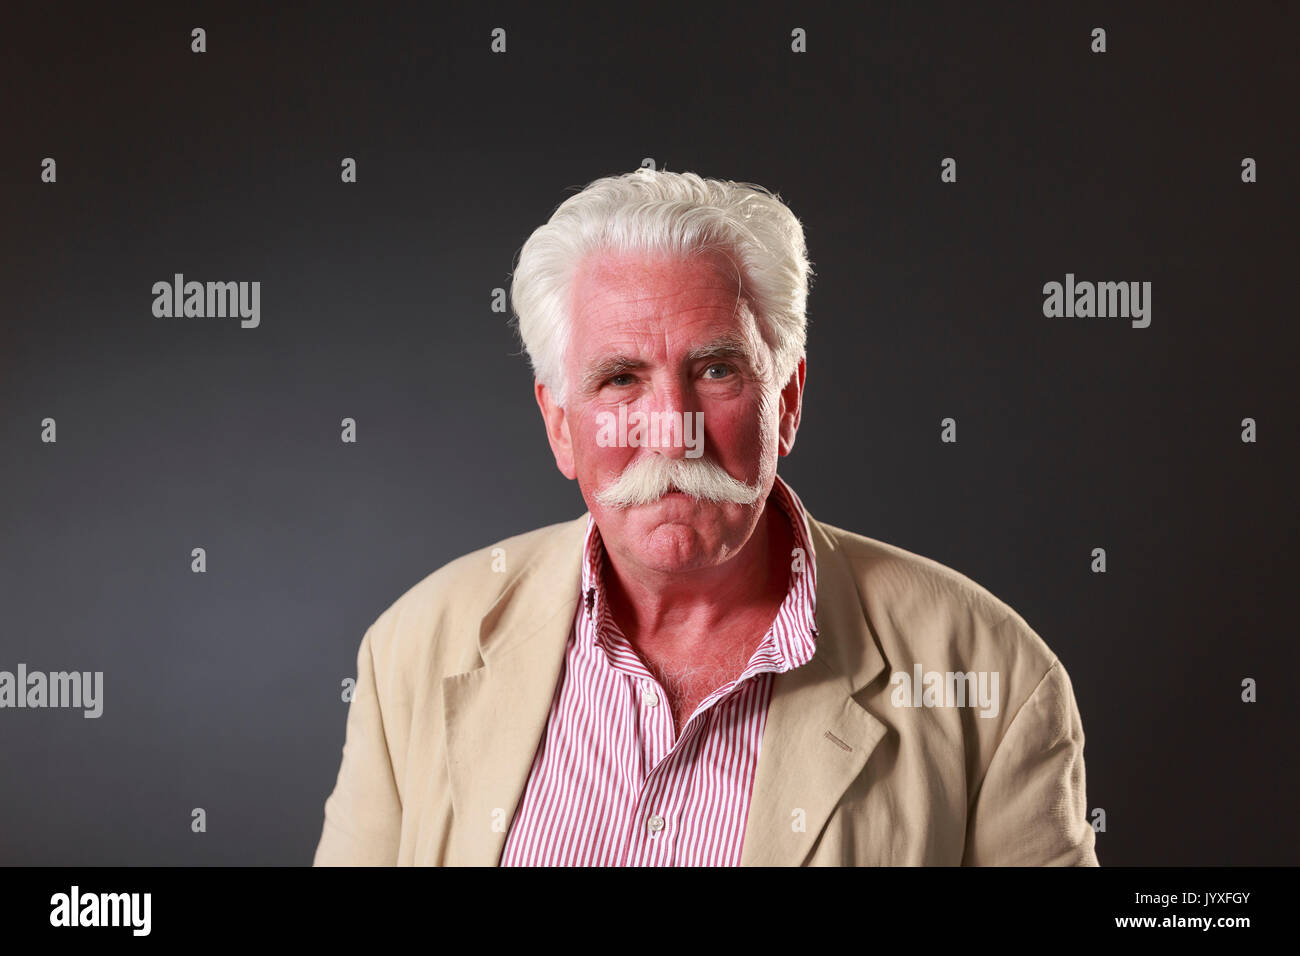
<point>791,406</point>
<point>557,430</point>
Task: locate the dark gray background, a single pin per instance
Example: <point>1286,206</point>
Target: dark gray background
<point>222,690</point>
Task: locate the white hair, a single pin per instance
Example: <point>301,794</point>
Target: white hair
<point>659,213</point>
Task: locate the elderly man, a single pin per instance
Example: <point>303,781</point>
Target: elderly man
<point>696,671</point>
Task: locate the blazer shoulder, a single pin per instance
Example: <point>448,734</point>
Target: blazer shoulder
<point>932,603</point>
<point>453,598</point>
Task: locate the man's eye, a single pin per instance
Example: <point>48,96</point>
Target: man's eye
<point>724,367</point>
<point>614,379</point>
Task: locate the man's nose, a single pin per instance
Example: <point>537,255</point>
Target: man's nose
<point>667,405</point>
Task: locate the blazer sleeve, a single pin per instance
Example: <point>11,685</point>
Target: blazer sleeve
<point>1031,809</point>
<point>363,815</point>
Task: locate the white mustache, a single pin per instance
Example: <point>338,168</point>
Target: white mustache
<point>649,478</point>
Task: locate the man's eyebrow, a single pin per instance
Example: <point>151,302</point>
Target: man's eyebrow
<point>725,347</point>
<point>606,368</point>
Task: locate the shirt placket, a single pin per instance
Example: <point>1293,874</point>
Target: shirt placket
<point>656,821</point>
<point>651,830</point>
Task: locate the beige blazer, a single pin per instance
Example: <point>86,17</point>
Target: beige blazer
<point>455,680</point>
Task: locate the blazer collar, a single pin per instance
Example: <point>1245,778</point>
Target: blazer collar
<point>816,741</point>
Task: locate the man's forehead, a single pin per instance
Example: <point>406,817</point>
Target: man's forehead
<point>632,296</point>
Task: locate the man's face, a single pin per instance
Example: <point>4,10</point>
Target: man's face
<point>670,337</point>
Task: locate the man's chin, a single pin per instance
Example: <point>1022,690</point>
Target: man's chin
<point>673,548</point>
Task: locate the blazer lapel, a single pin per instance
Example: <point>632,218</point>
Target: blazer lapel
<point>494,715</point>
<point>817,738</point>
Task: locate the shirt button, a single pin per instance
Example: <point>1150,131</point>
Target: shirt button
<point>650,697</point>
<point>655,823</point>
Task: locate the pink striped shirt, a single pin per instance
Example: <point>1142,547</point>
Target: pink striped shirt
<point>609,784</point>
